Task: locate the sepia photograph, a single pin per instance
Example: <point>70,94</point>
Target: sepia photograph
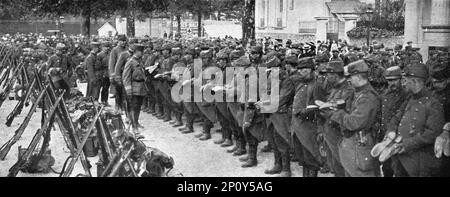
<point>225,89</point>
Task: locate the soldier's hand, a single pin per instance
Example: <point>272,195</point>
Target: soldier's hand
<point>246,125</point>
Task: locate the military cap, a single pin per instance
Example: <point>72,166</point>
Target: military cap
<point>222,54</point>
<point>389,49</point>
<point>398,47</point>
<point>206,54</point>
<point>293,60</point>
<point>393,73</point>
<point>235,54</point>
<point>243,61</point>
<point>106,44</point>
<point>139,47</point>
<point>358,67</point>
<point>378,46</point>
<point>257,49</point>
<point>335,67</point>
<point>122,37</point>
<point>306,62</point>
<point>416,70</point>
<point>176,51</point>
<point>272,62</point>
<point>272,54</point>
<point>307,47</point>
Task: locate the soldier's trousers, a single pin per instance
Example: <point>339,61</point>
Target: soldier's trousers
<point>226,120</point>
<point>134,109</point>
<point>191,111</point>
<point>119,98</point>
<point>62,85</point>
<point>101,88</point>
<point>104,85</point>
<point>333,138</point>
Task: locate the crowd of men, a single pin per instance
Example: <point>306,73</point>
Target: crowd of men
<point>366,96</point>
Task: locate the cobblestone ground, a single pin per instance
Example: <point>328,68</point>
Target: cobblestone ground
<point>193,158</point>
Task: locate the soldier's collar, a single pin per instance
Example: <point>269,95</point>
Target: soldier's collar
<point>362,88</point>
<point>424,92</point>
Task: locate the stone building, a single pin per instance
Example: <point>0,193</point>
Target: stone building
<point>427,25</point>
<point>306,20</point>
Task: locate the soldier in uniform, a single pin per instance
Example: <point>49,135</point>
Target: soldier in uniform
<point>391,101</point>
<point>254,127</point>
<point>133,80</point>
<point>177,107</point>
<point>163,87</point>
<point>357,125</point>
<point>419,123</point>
<point>113,57</point>
<point>304,121</point>
<point>342,91</point>
<point>103,57</point>
<point>190,108</point>
<point>118,73</point>
<point>60,68</point>
<point>94,71</point>
<point>206,108</point>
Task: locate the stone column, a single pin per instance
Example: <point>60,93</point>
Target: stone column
<point>412,20</point>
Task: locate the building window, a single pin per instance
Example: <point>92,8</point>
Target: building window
<point>292,5</point>
<point>281,5</point>
<point>262,22</point>
<point>279,22</point>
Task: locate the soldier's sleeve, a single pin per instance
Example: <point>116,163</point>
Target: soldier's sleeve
<point>392,125</point>
<point>118,66</point>
<point>126,77</point>
<point>112,63</point>
<point>433,128</point>
<point>89,63</point>
<point>364,110</point>
<point>287,92</point>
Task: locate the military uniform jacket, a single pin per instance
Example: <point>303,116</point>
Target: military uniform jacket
<point>93,67</point>
<point>62,62</point>
<point>391,101</point>
<point>357,126</point>
<point>419,123</point>
<point>134,78</point>
<point>342,91</point>
<point>113,58</point>
<point>103,58</point>
<point>123,59</point>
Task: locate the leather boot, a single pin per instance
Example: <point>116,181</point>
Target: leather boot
<point>189,130</point>
<point>227,143</point>
<point>241,150</point>
<point>277,164</point>
<point>205,136</point>
<point>251,162</point>
<point>183,129</point>
<point>244,159</point>
<point>286,165</point>
<point>173,122</point>
<point>178,122</point>
<point>221,140</point>
<point>236,146</point>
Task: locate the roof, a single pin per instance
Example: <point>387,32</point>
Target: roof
<point>106,24</point>
<point>344,6</point>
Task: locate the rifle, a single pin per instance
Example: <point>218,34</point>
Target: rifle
<point>75,157</point>
<point>9,85</point>
<point>18,109</point>
<point>34,142</point>
<point>18,133</point>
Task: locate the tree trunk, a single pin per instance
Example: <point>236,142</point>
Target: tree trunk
<point>179,24</point>
<point>86,21</point>
<point>218,15</point>
<point>199,20</point>
<point>131,18</point>
<point>248,22</point>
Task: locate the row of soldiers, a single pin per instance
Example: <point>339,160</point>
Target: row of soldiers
<point>333,108</point>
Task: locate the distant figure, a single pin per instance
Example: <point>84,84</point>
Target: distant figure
<point>165,34</point>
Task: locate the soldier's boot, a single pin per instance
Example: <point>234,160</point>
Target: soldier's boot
<point>276,169</point>
<point>189,130</point>
<point>286,166</point>
<point>151,109</point>
<point>160,111</point>
<point>206,133</point>
<point>241,150</point>
<point>251,162</point>
<point>245,158</point>
<point>179,121</point>
<point>144,106</point>
<point>227,143</point>
<point>168,114</point>
<point>236,146</point>
<point>227,137</point>
<point>221,140</point>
